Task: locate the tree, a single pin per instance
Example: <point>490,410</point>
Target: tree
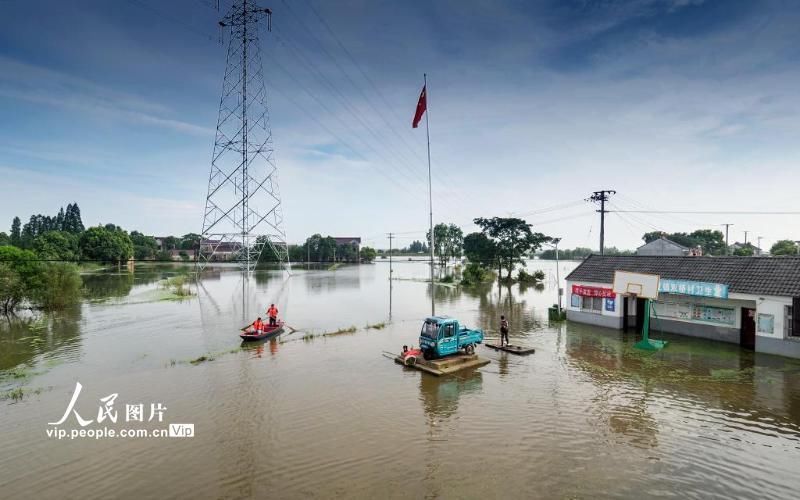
<point>368,254</point>
<point>745,251</point>
<point>478,248</point>
<point>455,241</point>
<point>711,241</point>
<point>327,249</point>
<point>16,227</point>
<point>163,256</point>
<point>347,253</point>
<point>190,241</point>
<point>57,245</point>
<point>784,247</point>
<point>60,286</point>
<point>11,289</point>
<point>440,242</point>
<point>513,238</point>
<point>72,219</point>
<point>20,273</point>
<point>170,243</point>
<point>144,247</point>
<point>4,239</point>
<point>652,236</point>
<point>100,243</point>
<point>416,247</point>
<point>449,239</point>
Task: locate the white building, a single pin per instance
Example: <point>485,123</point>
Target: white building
<point>748,301</point>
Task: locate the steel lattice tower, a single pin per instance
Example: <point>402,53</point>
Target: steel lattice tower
<point>243,205</point>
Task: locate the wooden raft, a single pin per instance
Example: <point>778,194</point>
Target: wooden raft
<point>513,349</point>
<point>447,365</point>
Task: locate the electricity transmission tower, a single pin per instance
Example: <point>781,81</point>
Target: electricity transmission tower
<point>243,215</point>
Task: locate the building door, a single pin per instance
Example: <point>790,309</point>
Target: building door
<point>747,337</point>
<point>640,313</point>
<point>625,312</point>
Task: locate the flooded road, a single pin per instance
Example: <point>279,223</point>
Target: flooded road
<point>317,415</point>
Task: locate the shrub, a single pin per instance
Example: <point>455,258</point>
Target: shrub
<point>530,279</point>
<point>475,274</point>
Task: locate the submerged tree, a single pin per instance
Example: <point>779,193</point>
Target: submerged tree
<point>448,242</point>
<point>100,243</point>
<point>513,238</point>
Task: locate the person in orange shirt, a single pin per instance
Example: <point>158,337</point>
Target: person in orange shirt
<point>272,312</point>
<point>258,325</point>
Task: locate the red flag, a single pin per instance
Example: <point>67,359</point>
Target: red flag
<point>422,106</point>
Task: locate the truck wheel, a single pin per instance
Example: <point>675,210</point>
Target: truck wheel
<point>470,349</point>
<point>428,354</point>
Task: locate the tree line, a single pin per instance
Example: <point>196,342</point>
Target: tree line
<point>318,248</point>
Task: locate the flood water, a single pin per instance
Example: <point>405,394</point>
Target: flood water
<point>315,416</point>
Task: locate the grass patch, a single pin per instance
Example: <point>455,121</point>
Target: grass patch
<point>376,326</point>
<point>202,359</point>
<point>15,394</point>
<point>178,286</point>
<point>341,331</point>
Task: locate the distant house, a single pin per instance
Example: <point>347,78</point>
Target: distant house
<point>353,241</point>
<point>222,250</point>
<point>665,247</point>
<point>738,246</point>
<point>175,254</point>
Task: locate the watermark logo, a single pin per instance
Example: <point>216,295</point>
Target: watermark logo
<point>106,412</point>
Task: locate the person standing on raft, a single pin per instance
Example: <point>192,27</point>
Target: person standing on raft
<point>272,312</point>
<point>503,330</point>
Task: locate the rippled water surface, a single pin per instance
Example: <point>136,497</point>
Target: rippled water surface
<point>329,416</point>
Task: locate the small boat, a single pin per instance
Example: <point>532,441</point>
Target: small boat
<point>269,331</point>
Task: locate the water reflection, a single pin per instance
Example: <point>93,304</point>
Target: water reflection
<point>440,395</point>
<point>743,385</point>
<point>24,339</point>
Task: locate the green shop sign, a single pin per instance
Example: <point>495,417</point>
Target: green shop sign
<point>696,288</point>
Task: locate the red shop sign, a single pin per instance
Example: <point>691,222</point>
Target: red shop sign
<point>593,291</point>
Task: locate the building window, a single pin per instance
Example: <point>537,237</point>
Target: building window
<point>592,304</point>
<point>789,324</point>
<point>576,301</point>
<point>766,323</point>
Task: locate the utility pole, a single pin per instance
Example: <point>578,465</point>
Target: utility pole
<point>745,237</point>
<point>759,246</point>
<point>391,235</point>
<point>558,277</point>
<point>727,247</point>
<point>602,197</point>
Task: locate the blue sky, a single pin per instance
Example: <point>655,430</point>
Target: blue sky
<point>676,104</point>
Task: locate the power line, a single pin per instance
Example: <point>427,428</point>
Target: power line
<point>354,62</point>
<point>346,74</point>
<point>715,212</point>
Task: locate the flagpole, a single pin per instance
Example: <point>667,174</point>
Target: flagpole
<point>430,192</point>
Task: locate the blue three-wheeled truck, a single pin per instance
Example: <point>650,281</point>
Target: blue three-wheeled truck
<point>443,336</point>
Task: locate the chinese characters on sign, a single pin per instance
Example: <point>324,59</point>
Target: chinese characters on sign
<point>593,291</point>
<point>610,305</point>
<point>696,288</point>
